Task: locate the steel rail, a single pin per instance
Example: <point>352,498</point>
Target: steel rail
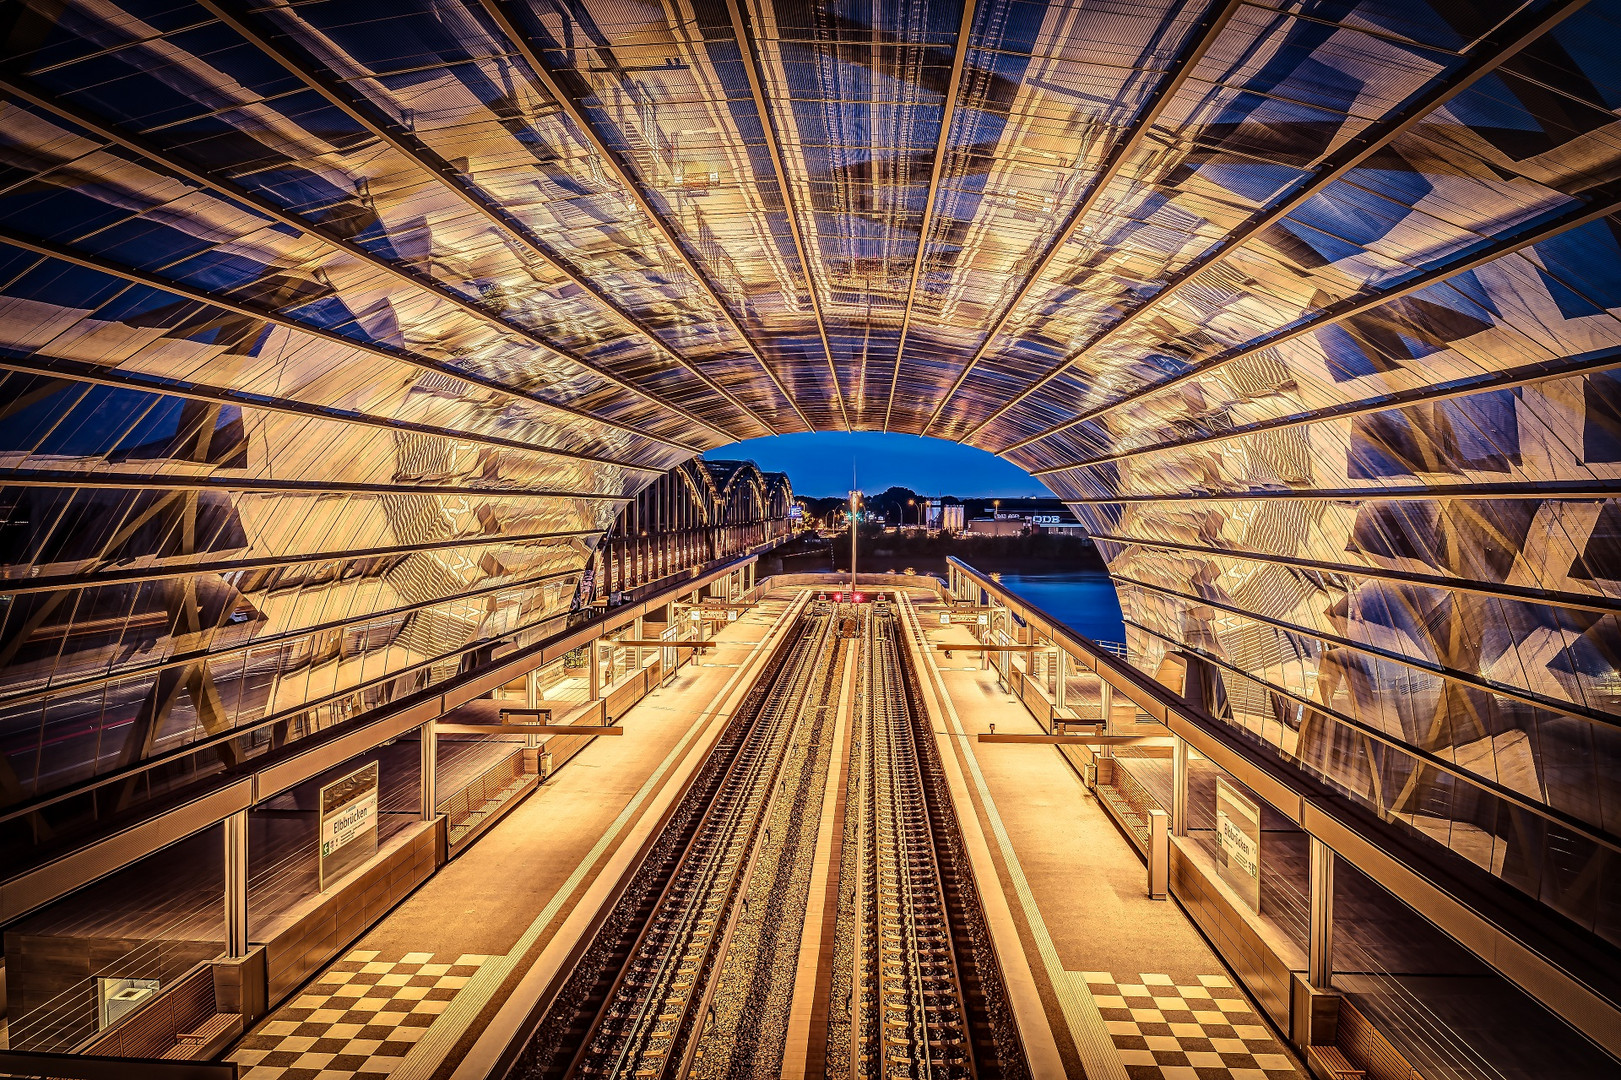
<point>446,176</point>
<point>499,13</point>
<point>922,1017</point>
<point>959,59</point>
<point>705,880</point>
<point>1202,38</point>
<point>824,686</point>
<point>1514,35</point>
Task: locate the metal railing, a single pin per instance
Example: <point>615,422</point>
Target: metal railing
<point>467,808</point>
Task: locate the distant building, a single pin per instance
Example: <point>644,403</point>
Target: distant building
<point>1015,516</point>
<point>996,526</point>
<point>940,518</point>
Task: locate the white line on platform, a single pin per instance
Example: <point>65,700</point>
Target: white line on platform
<point>435,1046</point>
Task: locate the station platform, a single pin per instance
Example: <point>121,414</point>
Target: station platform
<point>1130,986</point>
<point>413,995</point>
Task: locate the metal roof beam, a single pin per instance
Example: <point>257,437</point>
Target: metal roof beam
<point>1441,671</point>
<point>1608,202</point>
<point>499,14</point>
<point>751,64</point>
<point>1525,375</point>
<point>1531,489</point>
<point>253,311</point>
<point>1502,46</point>
<point>1201,39</point>
<point>424,158</point>
<point>223,481</point>
<point>54,368</point>
<point>124,575</point>
<point>959,59</point>
<point>19,87</point>
<point>1604,605</point>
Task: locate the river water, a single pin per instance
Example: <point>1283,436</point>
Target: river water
<point>1084,600</point>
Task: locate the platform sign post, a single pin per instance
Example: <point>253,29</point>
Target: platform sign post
<point>348,835</point>
<point>669,656</point>
<point>1238,838</point>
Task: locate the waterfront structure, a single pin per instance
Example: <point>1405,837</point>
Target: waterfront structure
<point>336,335</point>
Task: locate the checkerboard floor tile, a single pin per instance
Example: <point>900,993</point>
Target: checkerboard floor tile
<point>1194,1029</point>
<point>359,1019</point>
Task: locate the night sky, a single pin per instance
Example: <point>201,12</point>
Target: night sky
<point>819,464</point>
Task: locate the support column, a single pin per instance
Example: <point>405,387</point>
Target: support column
<point>1320,963</point>
<point>236,885</point>
<point>1179,786</point>
<point>1106,700</point>
<point>531,700</point>
<point>429,734</point>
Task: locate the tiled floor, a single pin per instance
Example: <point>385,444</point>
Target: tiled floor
<point>359,1019</point>
<point>1187,1029</point>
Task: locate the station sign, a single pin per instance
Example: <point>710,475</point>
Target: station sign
<point>1238,840</point>
<point>348,832</point>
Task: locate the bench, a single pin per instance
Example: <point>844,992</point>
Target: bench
<point>205,1038</point>
<point>1332,1063</point>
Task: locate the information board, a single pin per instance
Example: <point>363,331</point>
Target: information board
<point>1238,841</point>
<point>348,823</point>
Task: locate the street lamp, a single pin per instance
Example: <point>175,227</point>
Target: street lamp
<point>909,502</point>
<point>855,500</point>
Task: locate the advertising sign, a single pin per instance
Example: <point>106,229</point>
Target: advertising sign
<point>1238,838</point>
<point>348,823</point>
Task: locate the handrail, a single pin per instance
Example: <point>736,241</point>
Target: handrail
<point>1511,933</point>
<point>84,1067</point>
<point>30,888</point>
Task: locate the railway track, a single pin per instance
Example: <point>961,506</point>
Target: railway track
<point>911,1019</point>
<point>630,1006</point>
<point>916,988</point>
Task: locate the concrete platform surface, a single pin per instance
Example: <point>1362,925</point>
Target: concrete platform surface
<point>411,997</point>
<point>1131,987</point>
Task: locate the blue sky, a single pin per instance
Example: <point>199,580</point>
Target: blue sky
<point>819,464</point>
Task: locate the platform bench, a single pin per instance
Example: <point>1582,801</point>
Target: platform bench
<point>1333,1063</point>
<point>209,1036</point>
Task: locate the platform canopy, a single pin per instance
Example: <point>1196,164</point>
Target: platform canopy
<point>335,333</point>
